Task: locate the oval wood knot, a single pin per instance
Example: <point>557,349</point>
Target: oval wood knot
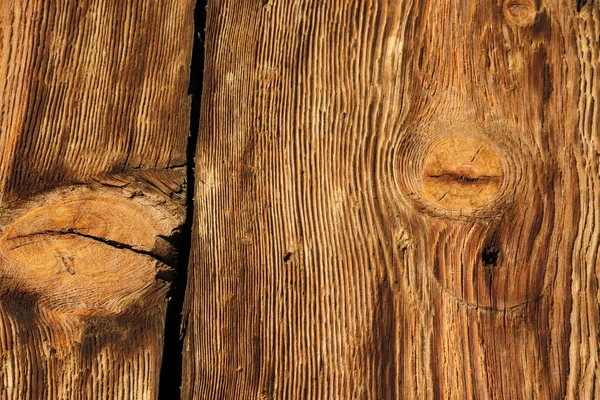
<point>461,172</point>
<point>520,13</point>
<point>460,169</point>
<point>88,251</point>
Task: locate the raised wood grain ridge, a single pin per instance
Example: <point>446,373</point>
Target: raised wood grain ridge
<point>94,122</point>
<point>397,199</point>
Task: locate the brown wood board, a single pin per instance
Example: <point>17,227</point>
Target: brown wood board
<point>94,125</point>
<point>397,199</point>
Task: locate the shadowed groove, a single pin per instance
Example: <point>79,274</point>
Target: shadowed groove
<point>175,329</point>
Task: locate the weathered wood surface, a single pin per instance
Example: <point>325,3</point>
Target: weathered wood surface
<point>397,199</point>
<point>93,130</point>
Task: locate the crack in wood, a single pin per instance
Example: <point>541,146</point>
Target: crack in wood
<point>108,242</point>
<point>581,4</point>
<point>68,263</point>
<point>449,176</point>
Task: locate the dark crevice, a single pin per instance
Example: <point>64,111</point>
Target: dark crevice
<point>465,178</point>
<point>163,258</point>
<point>287,256</point>
<point>172,358</point>
<point>489,256</point>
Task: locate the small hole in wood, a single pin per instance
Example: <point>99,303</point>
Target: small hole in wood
<point>580,4</point>
<point>287,257</point>
<point>489,256</point>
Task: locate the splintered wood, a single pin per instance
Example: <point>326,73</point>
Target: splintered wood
<point>397,199</point>
<point>93,130</point>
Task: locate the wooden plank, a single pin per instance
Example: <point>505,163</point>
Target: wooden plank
<point>94,126</point>
<point>397,200</point>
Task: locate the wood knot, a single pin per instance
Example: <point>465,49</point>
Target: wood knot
<point>485,200</point>
<point>461,172</point>
<point>88,252</point>
<point>460,169</point>
<point>520,13</point>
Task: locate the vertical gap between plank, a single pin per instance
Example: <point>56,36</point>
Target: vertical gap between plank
<point>172,357</point>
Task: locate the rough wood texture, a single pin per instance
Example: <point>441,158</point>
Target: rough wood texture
<point>397,199</point>
<point>93,132</point>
